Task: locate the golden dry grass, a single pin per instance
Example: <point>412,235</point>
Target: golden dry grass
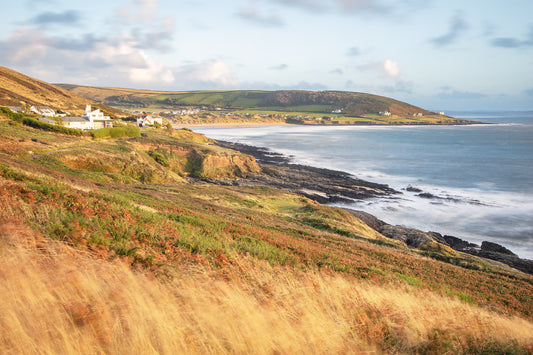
<point>17,89</point>
<point>57,300</point>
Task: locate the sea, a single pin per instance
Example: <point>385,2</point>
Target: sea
<point>480,176</point>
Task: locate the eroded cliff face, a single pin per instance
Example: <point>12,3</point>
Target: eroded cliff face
<point>165,159</point>
<point>228,165</point>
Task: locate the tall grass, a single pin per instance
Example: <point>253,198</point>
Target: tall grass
<point>57,300</point>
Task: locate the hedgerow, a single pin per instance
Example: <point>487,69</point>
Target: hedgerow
<point>35,123</point>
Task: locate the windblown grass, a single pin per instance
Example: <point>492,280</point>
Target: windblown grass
<point>161,267</point>
<point>58,300</point>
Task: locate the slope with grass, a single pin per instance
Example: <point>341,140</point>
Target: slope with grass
<point>340,107</point>
<point>107,244</point>
<point>17,89</point>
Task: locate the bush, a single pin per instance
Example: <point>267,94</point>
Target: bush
<point>35,123</point>
<point>116,132</point>
<point>159,157</point>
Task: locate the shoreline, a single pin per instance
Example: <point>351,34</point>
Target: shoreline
<point>273,124</point>
<point>230,124</point>
<point>328,186</point>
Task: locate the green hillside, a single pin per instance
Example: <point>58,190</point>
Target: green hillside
<point>350,103</point>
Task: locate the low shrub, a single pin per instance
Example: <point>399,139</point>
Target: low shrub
<point>35,123</point>
<point>160,157</point>
<point>116,132</point>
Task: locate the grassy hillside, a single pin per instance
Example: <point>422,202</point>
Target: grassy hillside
<point>17,89</point>
<point>340,107</point>
<point>123,244</point>
<point>352,104</point>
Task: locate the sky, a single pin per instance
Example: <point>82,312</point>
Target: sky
<point>437,54</point>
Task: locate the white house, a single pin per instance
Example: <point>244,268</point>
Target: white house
<point>15,108</point>
<point>90,120</point>
<point>145,120</point>
<point>43,110</point>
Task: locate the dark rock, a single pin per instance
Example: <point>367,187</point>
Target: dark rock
<point>428,195</point>
<point>321,185</point>
<point>370,220</point>
<point>491,251</point>
<point>412,189</point>
<point>438,237</point>
<point>460,244</point>
<point>414,238</point>
<point>511,260</point>
<point>493,247</point>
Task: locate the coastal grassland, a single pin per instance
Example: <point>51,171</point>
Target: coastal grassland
<point>160,224</point>
<point>164,265</point>
<point>57,299</point>
<point>356,108</point>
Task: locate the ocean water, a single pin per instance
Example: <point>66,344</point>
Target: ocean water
<point>482,174</point>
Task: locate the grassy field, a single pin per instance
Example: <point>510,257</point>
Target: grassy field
<point>105,245</point>
<point>356,108</point>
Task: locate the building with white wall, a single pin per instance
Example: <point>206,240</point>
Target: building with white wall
<point>90,120</point>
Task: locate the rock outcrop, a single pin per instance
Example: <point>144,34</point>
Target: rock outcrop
<point>321,185</point>
<point>228,165</point>
<point>413,238</point>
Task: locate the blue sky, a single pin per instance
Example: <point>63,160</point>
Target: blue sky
<point>441,55</point>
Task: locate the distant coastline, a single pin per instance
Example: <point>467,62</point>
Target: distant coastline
<point>271,124</point>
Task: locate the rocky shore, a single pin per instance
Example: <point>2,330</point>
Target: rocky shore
<point>330,186</point>
<point>321,185</point>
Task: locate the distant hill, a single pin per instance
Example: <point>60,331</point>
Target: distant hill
<point>17,89</point>
<point>349,103</point>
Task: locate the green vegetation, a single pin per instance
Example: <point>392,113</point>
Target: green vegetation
<point>116,132</point>
<point>35,123</point>
<point>337,106</point>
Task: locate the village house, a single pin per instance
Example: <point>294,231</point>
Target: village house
<point>147,119</point>
<point>385,113</point>
<point>15,108</point>
<point>90,120</point>
<point>43,111</point>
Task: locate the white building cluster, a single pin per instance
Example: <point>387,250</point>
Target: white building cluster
<point>147,119</point>
<point>90,120</point>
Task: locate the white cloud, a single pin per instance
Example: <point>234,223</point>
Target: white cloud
<point>152,71</point>
<point>391,68</point>
<point>212,74</point>
<point>388,68</point>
